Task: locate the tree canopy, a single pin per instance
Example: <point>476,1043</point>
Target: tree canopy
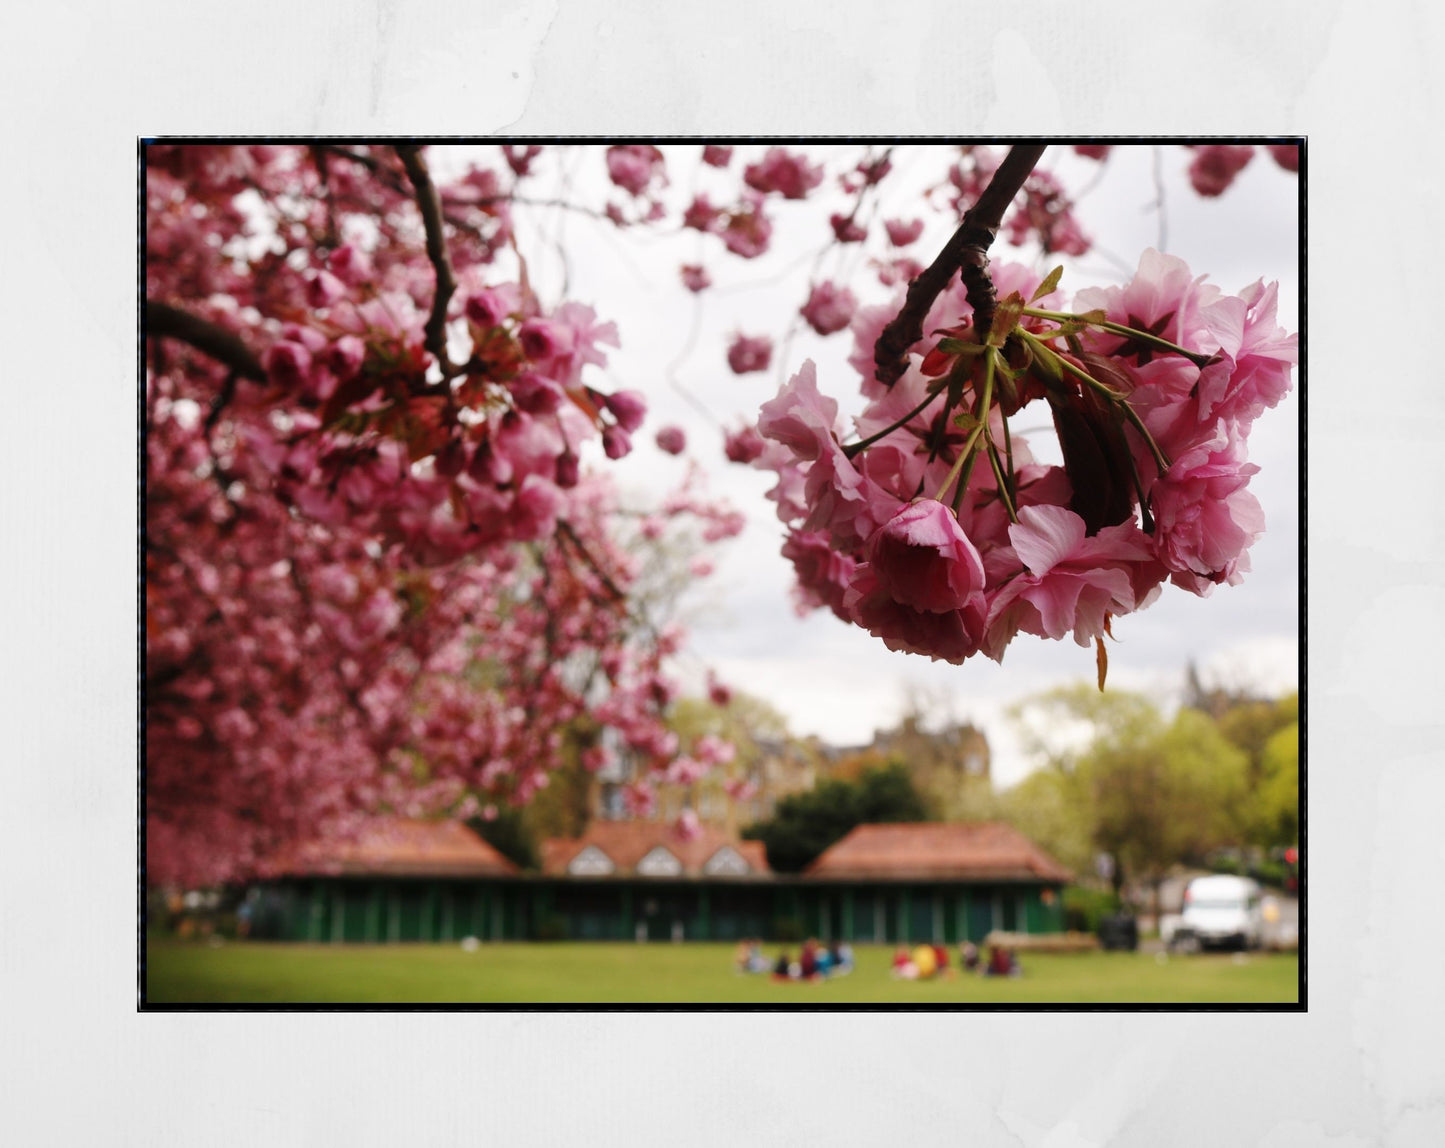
<point>805,824</point>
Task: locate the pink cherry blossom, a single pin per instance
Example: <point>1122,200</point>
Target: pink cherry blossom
<point>717,155</point>
<point>1214,167</point>
<point>800,417</point>
<point>903,232</point>
<point>949,636</point>
<point>685,771</point>
<point>791,176</point>
<point>922,557</point>
<point>717,692</point>
<point>491,306</point>
<point>695,278</point>
<point>701,215</point>
<point>671,439</point>
<point>743,445</point>
<point>345,356</point>
<point>1286,155</point>
<point>846,229</point>
<point>616,442</point>
<point>823,572</point>
<point>288,363</point>
<point>1205,519</point>
<point>1064,581</point>
<point>350,264</point>
<point>688,827</point>
<point>747,232</point>
<point>829,308</point>
<point>713,750</point>
<point>629,408</point>
<point>634,167</point>
<point>519,159</point>
<point>749,353</point>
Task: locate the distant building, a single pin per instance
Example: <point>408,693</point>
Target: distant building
<point>397,880</point>
<point>638,881</point>
<point>937,881</point>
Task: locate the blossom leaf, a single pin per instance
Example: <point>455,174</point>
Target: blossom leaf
<point>1049,285</point>
<point>1005,319</point>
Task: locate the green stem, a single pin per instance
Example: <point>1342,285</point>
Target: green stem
<point>853,448</point>
<point>1195,357</point>
<point>1008,448</point>
<point>963,466</point>
<point>1008,503</point>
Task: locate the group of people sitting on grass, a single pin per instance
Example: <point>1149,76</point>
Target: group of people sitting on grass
<point>816,962</point>
<point>928,961</point>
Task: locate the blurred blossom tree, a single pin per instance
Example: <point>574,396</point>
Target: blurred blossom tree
<point>385,571</point>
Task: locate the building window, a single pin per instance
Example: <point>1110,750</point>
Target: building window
<point>659,862</point>
<point>591,862</point>
<point>613,808</point>
<point>726,862</point>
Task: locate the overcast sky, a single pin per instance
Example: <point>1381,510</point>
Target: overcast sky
<point>835,680</point>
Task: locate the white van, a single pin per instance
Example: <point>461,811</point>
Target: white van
<point>1223,910</point>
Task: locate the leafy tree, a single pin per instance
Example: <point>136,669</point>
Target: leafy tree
<point>1050,808</point>
<point>510,835</point>
<point>1278,793</point>
<point>1252,726</point>
<point>805,824</point>
<point>1159,794</point>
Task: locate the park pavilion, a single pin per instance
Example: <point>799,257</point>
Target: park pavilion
<point>641,881</point>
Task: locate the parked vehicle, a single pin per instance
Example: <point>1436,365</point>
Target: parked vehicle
<point>1222,911</point>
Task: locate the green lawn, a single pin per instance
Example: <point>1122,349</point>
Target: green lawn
<point>599,973</point>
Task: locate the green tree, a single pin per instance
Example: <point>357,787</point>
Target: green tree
<point>805,824</point>
<point>1050,808</point>
<point>1278,793</point>
<point>509,834</point>
<point>1162,793</point>
<point>1252,726</point>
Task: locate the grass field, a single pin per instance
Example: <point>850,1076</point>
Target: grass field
<point>181,972</point>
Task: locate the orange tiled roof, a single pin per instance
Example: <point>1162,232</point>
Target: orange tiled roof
<point>627,842</point>
<point>400,848</point>
<point>933,851</point>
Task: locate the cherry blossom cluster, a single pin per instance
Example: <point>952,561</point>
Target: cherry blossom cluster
<point>936,530</point>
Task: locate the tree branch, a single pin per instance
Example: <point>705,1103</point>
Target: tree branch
<point>164,321</point>
<point>566,530</point>
<point>967,253</point>
<point>430,203</point>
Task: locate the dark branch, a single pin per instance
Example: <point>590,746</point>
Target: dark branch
<point>565,530</point>
<point>430,203</point>
<point>967,253</point>
<point>164,321</point>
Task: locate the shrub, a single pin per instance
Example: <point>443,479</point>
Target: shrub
<point>1085,908</point>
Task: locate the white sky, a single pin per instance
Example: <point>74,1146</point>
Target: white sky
<point>835,680</point>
